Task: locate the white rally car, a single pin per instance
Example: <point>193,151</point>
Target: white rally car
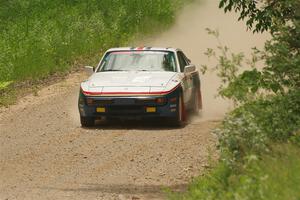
<point>143,82</point>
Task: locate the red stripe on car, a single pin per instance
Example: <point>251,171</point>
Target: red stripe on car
<point>139,48</point>
<point>128,93</point>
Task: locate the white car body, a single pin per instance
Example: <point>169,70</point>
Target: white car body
<point>140,84</point>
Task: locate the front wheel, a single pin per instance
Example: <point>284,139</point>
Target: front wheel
<point>87,121</point>
<point>181,113</point>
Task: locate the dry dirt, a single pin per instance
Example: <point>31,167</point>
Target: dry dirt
<point>45,154</point>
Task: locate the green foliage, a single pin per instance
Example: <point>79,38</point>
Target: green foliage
<point>281,55</point>
<point>265,15</point>
<point>39,38</point>
<point>210,187</point>
<point>5,84</point>
<point>281,72</point>
<point>251,167</point>
<point>274,176</point>
<point>250,128</point>
<point>269,97</point>
<point>227,68</point>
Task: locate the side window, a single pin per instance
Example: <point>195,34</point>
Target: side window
<point>186,59</point>
<point>182,61</point>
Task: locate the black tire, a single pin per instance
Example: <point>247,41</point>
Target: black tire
<point>87,121</point>
<point>181,114</point>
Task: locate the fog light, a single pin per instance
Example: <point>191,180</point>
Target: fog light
<point>101,110</point>
<point>150,109</point>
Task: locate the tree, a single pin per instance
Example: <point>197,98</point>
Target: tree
<point>281,73</point>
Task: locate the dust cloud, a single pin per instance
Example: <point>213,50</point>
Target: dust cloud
<point>189,34</point>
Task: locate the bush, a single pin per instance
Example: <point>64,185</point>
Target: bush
<point>249,128</point>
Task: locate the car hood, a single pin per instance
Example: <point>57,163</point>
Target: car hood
<point>130,79</point>
<point>131,82</point>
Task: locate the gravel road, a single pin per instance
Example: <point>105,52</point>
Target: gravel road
<point>45,154</point>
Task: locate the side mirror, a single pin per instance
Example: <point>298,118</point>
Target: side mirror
<point>189,68</point>
<point>89,70</point>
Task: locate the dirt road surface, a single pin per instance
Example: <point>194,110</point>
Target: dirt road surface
<point>45,154</point>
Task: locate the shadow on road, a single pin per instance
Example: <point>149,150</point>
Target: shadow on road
<point>136,124</point>
<point>145,124</point>
<point>153,191</point>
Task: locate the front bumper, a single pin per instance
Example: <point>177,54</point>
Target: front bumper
<point>131,107</point>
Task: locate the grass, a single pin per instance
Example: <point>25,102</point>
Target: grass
<point>275,176</point>
<point>280,174</point>
<point>41,38</point>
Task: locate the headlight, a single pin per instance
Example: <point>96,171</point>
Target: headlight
<point>152,101</point>
<point>161,100</point>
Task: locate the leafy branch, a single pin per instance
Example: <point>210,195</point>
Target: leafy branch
<point>234,85</point>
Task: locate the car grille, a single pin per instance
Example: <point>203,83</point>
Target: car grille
<point>122,102</point>
<point>126,110</point>
<point>102,102</point>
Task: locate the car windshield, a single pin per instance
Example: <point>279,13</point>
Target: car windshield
<point>138,61</point>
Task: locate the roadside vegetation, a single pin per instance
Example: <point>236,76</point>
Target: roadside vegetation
<point>42,38</point>
<point>259,141</point>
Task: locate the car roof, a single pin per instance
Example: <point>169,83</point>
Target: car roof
<point>143,49</point>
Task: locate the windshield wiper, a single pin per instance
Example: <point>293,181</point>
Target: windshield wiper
<point>112,70</point>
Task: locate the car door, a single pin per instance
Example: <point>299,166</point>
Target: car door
<point>188,79</point>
